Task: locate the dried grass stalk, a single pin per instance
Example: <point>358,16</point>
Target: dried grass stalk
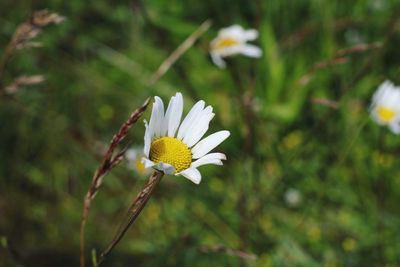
<point>110,160</point>
<point>28,31</point>
<point>182,48</point>
<point>325,102</point>
<point>340,57</point>
<point>32,28</point>
<point>219,248</point>
<point>22,81</point>
<point>359,48</point>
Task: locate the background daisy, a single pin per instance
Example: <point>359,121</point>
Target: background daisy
<point>232,41</point>
<point>385,107</point>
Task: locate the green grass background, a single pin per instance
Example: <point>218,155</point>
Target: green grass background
<point>98,64</point>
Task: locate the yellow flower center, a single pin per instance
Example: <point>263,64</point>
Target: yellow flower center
<point>385,114</point>
<point>172,151</point>
<point>225,42</point>
<point>140,166</point>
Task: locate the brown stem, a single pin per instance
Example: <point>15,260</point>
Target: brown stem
<point>85,212</point>
<point>133,212</point>
<point>110,160</point>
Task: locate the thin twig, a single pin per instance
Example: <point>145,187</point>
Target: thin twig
<point>340,57</point>
<point>133,212</point>
<point>306,78</point>
<point>325,102</point>
<point>164,67</point>
<point>232,252</point>
<point>109,161</point>
<point>308,30</point>
<point>359,48</point>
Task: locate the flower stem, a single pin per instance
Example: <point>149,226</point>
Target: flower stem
<point>133,212</point>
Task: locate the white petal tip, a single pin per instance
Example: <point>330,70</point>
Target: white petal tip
<point>225,134</point>
<point>192,174</point>
<point>209,143</point>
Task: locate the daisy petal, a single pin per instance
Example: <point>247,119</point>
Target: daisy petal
<point>147,163</point>
<point>201,129</point>
<point>395,127</point>
<point>209,143</point>
<point>167,116</point>
<point>251,51</point>
<point>190,118</point>
<point>231,50</point>
<point>386,92</point>
<point>192,174</point>
<point>217,60</point>
<point>152,123</point>
<point>212,158</point>
<point>176,115</point>
<point>251,34</point>
<point>147,140</point>
<point>198,126</point>
<point>131,154</point>
<point>159,116</point>
<point>235,31</point>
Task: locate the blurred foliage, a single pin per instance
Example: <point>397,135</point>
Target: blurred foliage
<point>98,64</point>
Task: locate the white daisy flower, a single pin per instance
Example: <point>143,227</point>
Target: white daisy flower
<point>174,147</point>
<point>293,197</point>
<point>385,107</point>
<point>232,41</point>
<point>134,157</point>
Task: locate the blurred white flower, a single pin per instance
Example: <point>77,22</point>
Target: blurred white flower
<point>174,147</point>
<point>232,41</point>
<point>385,107</point>
<point>134,157</point>
<point>353,37</point>
<point>292,197</point>
<point>378,5</point>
